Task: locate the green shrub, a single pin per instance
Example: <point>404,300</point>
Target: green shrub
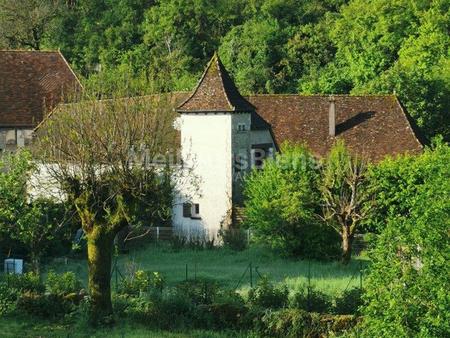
<point>8,297</point>
<point>266,295</point>
<point>406,289</point>
<point>227,311</point>
<point>235,239</point>
<point>282,202</point>
<point>311,300</point>
<point>349,302</point>
<point>45,306</point>
<point>141,282</point>
<point>27,282</point>
<point>300,323</point>
<point>199,291</point>
<point>62,284</point>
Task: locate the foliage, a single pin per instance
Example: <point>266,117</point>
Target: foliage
<point>123,176</point>
<point>311,300</point>
<point>44,305</point>
<point>406,290</point>
<point>62,284</point>
<point>8,297</point>
<point>299,323</point>
<point>199,291</point>
<point>266,295</point>
<point>349,302</point>
<point>235,239</point>
<point>395,182</point>
<point>32,220</point>
<point>282,203</point>
<point>27,24</point>
<point>27,282</point>
<point>142,281</point>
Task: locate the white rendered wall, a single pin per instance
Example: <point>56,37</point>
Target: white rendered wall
<point>206,149</point>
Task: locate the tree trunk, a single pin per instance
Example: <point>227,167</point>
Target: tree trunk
<point>347,240</point>
<point>100,249</point>
<point>35,264</point>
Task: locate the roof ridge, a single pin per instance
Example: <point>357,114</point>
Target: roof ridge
<point>215,91</point>
<point>28,51</point>
<point>322,95</point>
<point>219,67</point>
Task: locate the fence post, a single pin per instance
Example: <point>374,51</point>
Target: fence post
<point>251,275</point>
<point>186,271</point>
<point>157,233</point>
<point>248,236</point>
<point>360,276</point>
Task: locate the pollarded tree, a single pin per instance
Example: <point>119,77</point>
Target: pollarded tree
<point>102,153</point>
<point>343,194</point>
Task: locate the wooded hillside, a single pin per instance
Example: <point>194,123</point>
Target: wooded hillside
<point>269,46</point>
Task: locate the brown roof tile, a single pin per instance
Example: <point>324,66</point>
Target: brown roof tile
<point>31,83</point>
<point>373,126</point>
<point>215,92</point>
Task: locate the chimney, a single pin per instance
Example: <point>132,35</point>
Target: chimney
<point>332,117</point>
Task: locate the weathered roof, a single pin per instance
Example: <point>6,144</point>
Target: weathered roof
<point>371,125</point>
<point>31,83</point>
<point>215,92</point>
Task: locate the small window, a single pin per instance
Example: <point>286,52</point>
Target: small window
<point>187,207</point>
<point>191,210</point>
<point>195,210</point>
<point>241,127</point>
<point>11,137</point>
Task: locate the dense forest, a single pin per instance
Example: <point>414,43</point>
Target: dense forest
<point>269,46</point>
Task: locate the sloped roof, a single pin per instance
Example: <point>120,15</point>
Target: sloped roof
<point>372,125</point>
<point>215,92</point>
<point>31,83</point>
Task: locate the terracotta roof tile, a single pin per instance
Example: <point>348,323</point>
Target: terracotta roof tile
<point>215,91</point>
<point>31,83</point>
<point>373,126</point>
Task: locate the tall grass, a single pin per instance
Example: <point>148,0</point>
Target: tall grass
<point>228,267</point>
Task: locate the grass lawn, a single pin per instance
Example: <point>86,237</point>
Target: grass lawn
<point>227,267</point>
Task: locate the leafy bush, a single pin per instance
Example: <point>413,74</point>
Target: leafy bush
<point>62,284</point>
<point>199,291</point>
<point>282,204</point>
<point>27,282</point>
<point>227,311</point>
<point>299,323</point>
<point>235,239</point>
<point>349,302</point>
<point>142,281</point>
<point>266,295</point>
<point>45,306</point>
<point>8,297</point>
<point>406,288</point>
<point>311,300</point>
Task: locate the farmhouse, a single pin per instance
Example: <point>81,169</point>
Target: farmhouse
<point>31,84</point>
<point>223,134</point>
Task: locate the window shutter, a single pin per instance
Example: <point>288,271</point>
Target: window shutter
<point>187,209</point>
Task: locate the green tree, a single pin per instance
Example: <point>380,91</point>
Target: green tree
<point>102,154</point>
<point>387,46</point>
<point>343,194</point>
<point>406,289</point>
<point>282,203</point>
<point>26,24</point>
<point>34,222</point>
